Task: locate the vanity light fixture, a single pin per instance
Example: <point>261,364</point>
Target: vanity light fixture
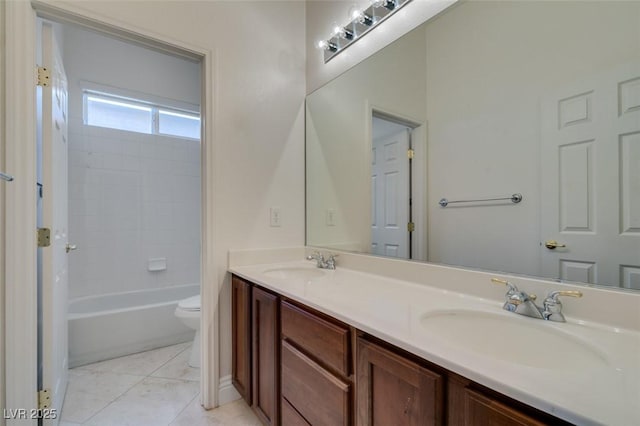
<point>362,21</point>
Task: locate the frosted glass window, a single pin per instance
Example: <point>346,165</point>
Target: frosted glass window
<point>179,124</point>
<point>117,114</point>
<point>140,115</point>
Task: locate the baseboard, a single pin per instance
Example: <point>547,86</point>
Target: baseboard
<point>227,391</point>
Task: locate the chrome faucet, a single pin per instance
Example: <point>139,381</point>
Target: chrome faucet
<point>524,304</point>
<point>321,262</point>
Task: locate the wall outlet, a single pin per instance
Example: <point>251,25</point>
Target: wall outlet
<point>331,217</point>
<point>275,217</point>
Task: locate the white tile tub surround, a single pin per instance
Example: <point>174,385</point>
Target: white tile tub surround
<point>385,297</point>
<point>132,197</point>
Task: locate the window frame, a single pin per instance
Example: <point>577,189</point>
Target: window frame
<point>139,100</point>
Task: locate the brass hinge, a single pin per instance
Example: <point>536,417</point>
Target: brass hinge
<point>44,399</point>
<point>44,76</point>
<point>410,153</point>
<point>411,226</point>
<point>44,237</point>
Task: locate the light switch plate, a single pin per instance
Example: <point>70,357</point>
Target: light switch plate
<point>331,217</point>
<point>275,217</point>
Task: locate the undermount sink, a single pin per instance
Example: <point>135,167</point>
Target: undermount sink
<point>507,337</point>
<point>295,273</point>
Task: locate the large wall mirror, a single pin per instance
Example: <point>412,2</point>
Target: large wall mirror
<point>488,101</point>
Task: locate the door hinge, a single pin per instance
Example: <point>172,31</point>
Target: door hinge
<point>411,226</point>
<point>44,237</point>
<point>410,153</point>
<point>44,399</point>
<point>44,76</point>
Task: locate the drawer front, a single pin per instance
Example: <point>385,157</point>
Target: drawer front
<point>324,340</point>
<point>290,417</point>
<point>319,396</point>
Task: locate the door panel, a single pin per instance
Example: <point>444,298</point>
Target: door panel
<point>390,195</point>
<point>591,180</point>
<point>54,291</point>
<point>266,360</point>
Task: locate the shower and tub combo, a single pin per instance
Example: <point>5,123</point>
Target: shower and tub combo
<point>112,325</point>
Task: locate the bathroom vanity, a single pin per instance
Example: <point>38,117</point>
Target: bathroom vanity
<point>298,365</point>
<point>318,360</point>
<point>353,346</point>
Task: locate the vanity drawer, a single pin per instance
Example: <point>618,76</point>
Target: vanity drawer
<point>326,341</point>
<point>319,396</point>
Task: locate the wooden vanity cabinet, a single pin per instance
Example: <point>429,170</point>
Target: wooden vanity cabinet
<point>317,386</point>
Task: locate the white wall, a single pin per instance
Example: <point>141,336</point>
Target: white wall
<point>132,196</point>
<point>259,79</point>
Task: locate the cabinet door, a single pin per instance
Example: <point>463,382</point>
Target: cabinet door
<point>266,362</point>
<point>241,336</point>
<point>481,410</point>
<point>393,390</point>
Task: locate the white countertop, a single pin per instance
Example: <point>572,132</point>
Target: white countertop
<point>607,392</point>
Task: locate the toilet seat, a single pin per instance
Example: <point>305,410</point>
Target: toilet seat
<point>190,304</point>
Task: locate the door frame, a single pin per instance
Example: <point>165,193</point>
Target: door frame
<point>418,173</point>
<point>20,204</point>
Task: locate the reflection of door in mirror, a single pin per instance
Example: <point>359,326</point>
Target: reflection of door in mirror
<point>590,152</point>
<point>390,189</point>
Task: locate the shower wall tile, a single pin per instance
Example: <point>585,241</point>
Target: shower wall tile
<point>132,197</point>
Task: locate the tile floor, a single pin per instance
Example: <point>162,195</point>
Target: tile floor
<point>154,388</point>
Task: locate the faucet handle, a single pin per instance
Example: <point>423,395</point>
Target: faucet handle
<point>315,255</point>
<point>552,308</point>
<point>331,260</point>
<point>512,287</point>
<point>553,296</point>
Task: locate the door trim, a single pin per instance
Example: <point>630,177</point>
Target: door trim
<point>21,286</point>
<point>20,267</point>
<point>418,174</point>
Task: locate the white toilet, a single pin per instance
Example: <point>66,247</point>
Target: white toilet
<point>188,311</point>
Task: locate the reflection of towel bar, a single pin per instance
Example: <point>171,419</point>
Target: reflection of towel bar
<point>6,177</point>
<point>515,198</point>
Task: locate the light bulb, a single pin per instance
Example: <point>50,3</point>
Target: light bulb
<point>390,4</point>
<point>361,17</point>
<point>342,32</point>
<point>327,45</point>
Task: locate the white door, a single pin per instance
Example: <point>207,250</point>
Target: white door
<point>53,298</point>
<point>390,195</point>
<point>591,180</point>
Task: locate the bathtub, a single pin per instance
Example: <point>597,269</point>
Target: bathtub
<point>112,325</point>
